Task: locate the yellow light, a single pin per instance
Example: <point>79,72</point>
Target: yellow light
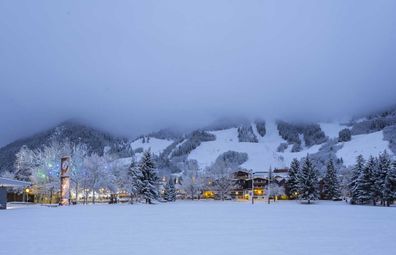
<point>208,194</point>
<point>27,190</point>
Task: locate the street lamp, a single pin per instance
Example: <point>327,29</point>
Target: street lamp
<point>252,191</point>
<point>27,190</point>
<point>269,185</point>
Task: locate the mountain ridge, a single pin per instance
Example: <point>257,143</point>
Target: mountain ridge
<point>232,138</point>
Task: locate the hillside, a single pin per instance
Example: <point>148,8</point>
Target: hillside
<point>73,131</point>
<point>256,145</point>
<point>275,143</point>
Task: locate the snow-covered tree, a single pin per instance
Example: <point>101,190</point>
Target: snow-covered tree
<point>365,183</point>
<point>308,181</point>
<point>134,181</point>
<point>389,191</point>
<point>292,182</point>
<point>170,190</point>
<point>222,181</point>
<point>95,167</point>
<point>379,175</point>
<point>192,179</point>
<point>79,153</point>
<point>150,181</point>
<point>46,169</point>
<point>331,186</point>
<point>24,163</point>
<point>274,190</point>
<point>357,169</point>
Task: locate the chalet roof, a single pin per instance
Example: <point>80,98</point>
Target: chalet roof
<point>5,182</point>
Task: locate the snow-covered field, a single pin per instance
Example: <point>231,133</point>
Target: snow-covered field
<point>203,227</point>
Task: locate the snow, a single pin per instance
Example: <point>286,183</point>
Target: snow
<point>283,228</point>
<point>366,144</point>
<point>331,129</point>
<point>155,145</point>
<point>262,155</point>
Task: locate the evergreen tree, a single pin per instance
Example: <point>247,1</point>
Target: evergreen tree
<point>308,181</point>
<point>365,183</point>
<point>389,192</point>
<point>331,187</point>
<point>384,166</point>
<point>292,182</point>
<point>134,182</point>
<point>149,178</point>
<point>170,191</point>
<point>358,168</point>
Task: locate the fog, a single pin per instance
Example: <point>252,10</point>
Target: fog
<point>131,67</point>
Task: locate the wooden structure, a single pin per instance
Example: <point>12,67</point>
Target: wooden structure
<point>65,181</point>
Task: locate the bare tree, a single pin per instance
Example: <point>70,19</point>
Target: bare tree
<point>192,181</point>
<point>222,181</point>
<point>96,171</point>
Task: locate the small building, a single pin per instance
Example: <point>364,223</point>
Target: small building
<point>9,183</point>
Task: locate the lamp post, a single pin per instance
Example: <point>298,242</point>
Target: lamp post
<point>27,194</point>
<point>252,175</point>
<point>269,185</point>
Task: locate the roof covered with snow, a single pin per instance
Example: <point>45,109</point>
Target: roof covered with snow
<point>5,182</point>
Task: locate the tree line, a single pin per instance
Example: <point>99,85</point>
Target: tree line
<point>371,182</point>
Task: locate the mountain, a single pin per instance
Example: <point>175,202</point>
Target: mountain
<point>259,145</point>
<point>256,145</point>
<point>75,132</point>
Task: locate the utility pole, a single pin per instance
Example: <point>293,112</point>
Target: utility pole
<point>252,175</point>
<point>269,184</point>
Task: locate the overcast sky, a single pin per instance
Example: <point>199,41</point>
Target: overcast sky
<point>134,66</point>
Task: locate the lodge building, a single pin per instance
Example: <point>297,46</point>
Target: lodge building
<point>245,179</point>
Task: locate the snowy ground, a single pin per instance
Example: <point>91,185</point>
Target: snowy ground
<point>204,227</point>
